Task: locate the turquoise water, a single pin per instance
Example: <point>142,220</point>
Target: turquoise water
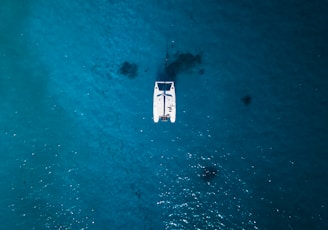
<point>79,149</point>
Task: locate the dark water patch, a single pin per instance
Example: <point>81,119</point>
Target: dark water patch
<point>208,173</point>
<point>219,203</point>
<point>247,99</point>
<point>129,69</point>
<point>182,63</point>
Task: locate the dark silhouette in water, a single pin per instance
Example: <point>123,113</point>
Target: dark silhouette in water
<point>209,173</point>
<point>129,69</point>
<point>246,99</point>
<point>182,63</point>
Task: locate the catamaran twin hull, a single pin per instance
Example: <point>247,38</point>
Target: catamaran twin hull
<point>164,105</point>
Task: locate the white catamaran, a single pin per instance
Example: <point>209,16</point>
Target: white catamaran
<point>164,105</point>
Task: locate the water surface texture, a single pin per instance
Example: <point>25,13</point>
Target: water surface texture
<point>79,148</point>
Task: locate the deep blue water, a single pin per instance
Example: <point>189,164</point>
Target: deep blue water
<point>79,148</point>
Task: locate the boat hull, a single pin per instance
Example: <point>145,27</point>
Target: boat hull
<point>164,101</point>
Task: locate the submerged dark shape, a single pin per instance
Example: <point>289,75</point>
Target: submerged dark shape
<point>182,63</point>
<point>246,99</point>
<point>129,69</point>
<point>209,173</point>
<point>201,71</point>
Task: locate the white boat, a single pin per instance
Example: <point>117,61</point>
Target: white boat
<point>164,104</point>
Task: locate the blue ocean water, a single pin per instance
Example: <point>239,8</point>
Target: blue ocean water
<point>79,148</point>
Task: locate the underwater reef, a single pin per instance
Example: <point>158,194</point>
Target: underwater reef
<point>246,100</point>
<point>129,69</point>
<point>208,173</point>
<point>182,63</point>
